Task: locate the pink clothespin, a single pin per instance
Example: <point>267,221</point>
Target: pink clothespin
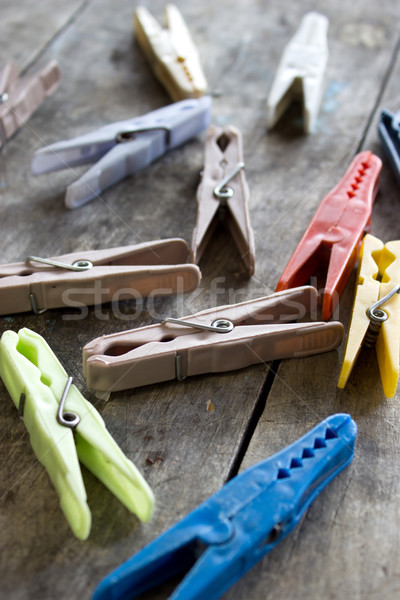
<point>97,276</point>
<point>218,339</point>
<point>224,190</point>
<point>19,98</point>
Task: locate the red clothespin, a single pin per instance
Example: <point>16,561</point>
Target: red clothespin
<point>331,243</point>
<point>19,98</point>
<point>223,190</point>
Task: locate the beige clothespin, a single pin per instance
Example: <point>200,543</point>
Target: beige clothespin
<point>19,98</point>
<point>97,276</point>
<point>214,340</point>
<point>224,190</point>
<point>171,53</point>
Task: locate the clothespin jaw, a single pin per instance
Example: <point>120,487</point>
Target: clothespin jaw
<point>97,276</point>
<point>36,382</point>
<point>171,53</point>
<point>20,98</point>
<point>301,71</point>
<point>224,190</point>
<point>389,133</point>
<point>232,530</point>
<point>216,340</point>
<point>123,148</point>
<point>378,275</point>
<point>331,243</point>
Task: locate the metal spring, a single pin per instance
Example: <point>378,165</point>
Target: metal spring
<point>372,334</point>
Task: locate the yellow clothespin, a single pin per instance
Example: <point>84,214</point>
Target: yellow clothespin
<point>378,284</point>
<point>40,387</point>
<point>171,53</point>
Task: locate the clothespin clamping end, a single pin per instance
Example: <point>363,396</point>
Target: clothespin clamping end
<point>19,98</point>
<point>389,133</point>
<point>300,74</point>
<point>330,245</point>
<point>375,318</point>
<point>63,427</point>
<point>123,148</point>
<point>232,530</point>
<point>223,191</point>
<point>171,53</point>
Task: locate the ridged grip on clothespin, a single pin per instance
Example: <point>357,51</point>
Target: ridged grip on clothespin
<point>229,533</point>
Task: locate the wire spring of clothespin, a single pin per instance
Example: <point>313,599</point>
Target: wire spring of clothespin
<point>377,316</point>
<point>222,191</point>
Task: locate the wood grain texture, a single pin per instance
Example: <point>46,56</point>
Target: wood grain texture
<point>347,545</point>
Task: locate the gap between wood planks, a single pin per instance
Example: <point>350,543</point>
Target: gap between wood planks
<point>255,417</point>
<point>385,81</point>
<point>59,32</point>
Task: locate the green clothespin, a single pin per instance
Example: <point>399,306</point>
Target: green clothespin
<point>39,387</point>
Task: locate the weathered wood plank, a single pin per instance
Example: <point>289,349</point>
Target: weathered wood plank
<point>26,30</point>
<point>106,78</point>
<point>347,545</point>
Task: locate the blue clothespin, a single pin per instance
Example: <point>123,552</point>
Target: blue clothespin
<point>231,531</point>
<point>389,132</point>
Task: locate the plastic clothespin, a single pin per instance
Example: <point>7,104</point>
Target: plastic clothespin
<point>97,276</point>
<point>330,245</point>
<point>301,72</point>
<point>223,190</point>
<point>63,427</point>
<point>212,341</point>
<point>122,148</point>
<point>229,533</point>
<point>171,53</point>
<point>389,133</point>
<point>375,318</point>
<point>19,98</point>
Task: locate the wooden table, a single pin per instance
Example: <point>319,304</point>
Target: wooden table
<point>347,546</point>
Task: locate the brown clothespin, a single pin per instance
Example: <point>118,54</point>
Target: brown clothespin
<point>19,98</point>
<point>215,340</point>
<point>97,276</point>
<point>224,190</point>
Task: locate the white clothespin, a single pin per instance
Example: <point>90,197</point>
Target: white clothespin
<point>19,98</point>
<point>122,148</point>
<point>171,53</point>
<point>301,72</point>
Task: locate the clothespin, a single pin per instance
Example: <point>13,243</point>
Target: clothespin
<point>389,133</point>
<point>63,427</point>
<point>375,318</point>
<point>214,340</point>
<point>19,98</point>
<point>97,276</point>
<point>171,53</point>
<point>330,245</point>
<point>300,74</point>
<point>122,148</point>
<point>223,165</point>
<point>224,537</point>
